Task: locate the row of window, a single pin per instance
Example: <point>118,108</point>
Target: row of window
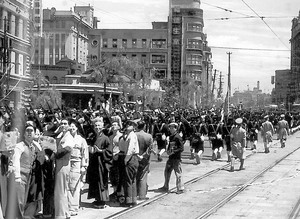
<point>134,43</point>
<point>14,24</point>
<point>191,59</point>
<point>17,64</point>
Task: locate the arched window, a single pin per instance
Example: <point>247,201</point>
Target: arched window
<point>54,80</point>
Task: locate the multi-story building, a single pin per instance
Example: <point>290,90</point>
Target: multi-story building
<point>16,53</point>
<point>190,57</point>
<point>295,45</point>
<point>287,82</point>
<point>149,46</point>
<point>176,49</point>
<point>65,34</point>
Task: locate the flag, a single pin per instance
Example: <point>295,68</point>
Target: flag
<point>226,104</point>
<point>225,108</point>
<point>109,104</point>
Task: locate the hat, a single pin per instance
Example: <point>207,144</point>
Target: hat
<point>239,121</point>
<point>282,115</point>
<point>173,124</point>
<point>267,116</point>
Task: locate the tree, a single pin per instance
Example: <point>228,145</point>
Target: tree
<point>130,74</point>
<point>49,99</point>
<point>170,98</point>
<point>38,79</point>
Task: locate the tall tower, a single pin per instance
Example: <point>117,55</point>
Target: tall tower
<point>293,86</point>
<point>295,45</point>
<point>190,54</point>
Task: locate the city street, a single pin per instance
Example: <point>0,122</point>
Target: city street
<point>191,172</point>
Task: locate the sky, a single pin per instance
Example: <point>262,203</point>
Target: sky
<point>259,46</point>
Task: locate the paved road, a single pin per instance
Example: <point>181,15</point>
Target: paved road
<point>156,178</point>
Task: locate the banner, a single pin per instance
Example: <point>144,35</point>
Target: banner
<point>8,141</point>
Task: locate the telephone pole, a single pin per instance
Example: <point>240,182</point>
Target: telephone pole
<point>220,90</point>
<point>229,76</point>
<point>4,59</point>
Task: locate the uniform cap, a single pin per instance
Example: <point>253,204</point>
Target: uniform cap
<point>173,124</point>
<point>239,121</point>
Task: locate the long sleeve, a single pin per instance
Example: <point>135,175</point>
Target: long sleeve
<point>85,154</point>
<point>19,149</point>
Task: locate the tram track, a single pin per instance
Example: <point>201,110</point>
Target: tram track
<point>195,180</point>
<point>241,188</point>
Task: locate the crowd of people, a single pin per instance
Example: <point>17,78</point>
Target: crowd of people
<point>115,149</point>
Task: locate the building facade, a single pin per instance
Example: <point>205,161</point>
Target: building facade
<point>64,34</point>
<point>287,82</point>
<point>149,46</point>
<point>16,49</point>
<point>190,57</point>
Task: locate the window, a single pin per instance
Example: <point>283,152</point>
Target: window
<point>115,43</point>
<point>54,80</point>
<point>194,27</point>
<point>134,43</point>
<point>194,44</point>
<point>144,43</point>
<point>63,24</point>
<point>105,43</point>
<point>144,59</point>
<point>159,43</point>
<point>124,43</point>
<point>114,55</point>
<point>133,55</point>
<point>193,59</point>
<point>158,59</point>
<point>37,11</point>
<point>57,25</point>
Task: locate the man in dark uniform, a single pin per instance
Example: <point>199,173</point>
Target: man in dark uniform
<point>145,147</point>
<point>174,150</point>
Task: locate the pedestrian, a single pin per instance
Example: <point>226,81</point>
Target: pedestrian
<point>267,131</point>
<point>114,173</point>
<point>226,129</point>
<point>98,170</point>
<point>215,137</point>
<point>65,144</point>
<point>174,150</point>
<point>130,146</point>
<point>238,144</point>
<point>283,130</point>
<point>78,165</point>
<point>252,133</point>
<point>23,158</point>
<point>145,141</point>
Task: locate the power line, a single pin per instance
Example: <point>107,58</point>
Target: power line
<point>225,9</point>
<point>262,18</point>
<point>254,49</point>
<point>251,17</point>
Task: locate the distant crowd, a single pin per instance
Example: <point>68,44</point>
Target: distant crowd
<point>113,148</point>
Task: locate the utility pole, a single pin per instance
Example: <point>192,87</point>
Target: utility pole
<point>220,90</point>
<point>5,61</point>
<point>229,77</point>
